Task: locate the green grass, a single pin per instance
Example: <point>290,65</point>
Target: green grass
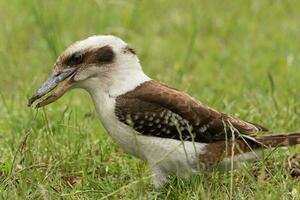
<point>241,57</point>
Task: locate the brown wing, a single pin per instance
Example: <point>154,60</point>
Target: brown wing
<point>158,110</point>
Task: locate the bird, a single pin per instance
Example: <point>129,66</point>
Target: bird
<point>176,134</point>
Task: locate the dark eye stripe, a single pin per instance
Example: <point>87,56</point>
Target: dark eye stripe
<point>104,55</point>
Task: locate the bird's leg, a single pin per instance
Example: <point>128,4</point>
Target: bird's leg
<point>159,177</point>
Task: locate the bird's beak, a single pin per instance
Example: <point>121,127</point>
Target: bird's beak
<point>59,82</point>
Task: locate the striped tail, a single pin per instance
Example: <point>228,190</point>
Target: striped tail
<point>281,140</point>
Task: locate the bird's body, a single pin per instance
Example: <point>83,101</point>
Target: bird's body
<point>165,156</point>
<point>173,132</point>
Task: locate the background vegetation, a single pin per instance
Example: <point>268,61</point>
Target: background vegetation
<point>241,57</point>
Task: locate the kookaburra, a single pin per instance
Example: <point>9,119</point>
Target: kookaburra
<point>173,132</point>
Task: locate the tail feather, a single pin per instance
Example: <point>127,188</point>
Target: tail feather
<point>217,151</point>
<point>280,140</point>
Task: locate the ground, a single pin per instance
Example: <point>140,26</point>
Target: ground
<point>241,57</point>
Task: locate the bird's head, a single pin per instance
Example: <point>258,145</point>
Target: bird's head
<point>95,57</point>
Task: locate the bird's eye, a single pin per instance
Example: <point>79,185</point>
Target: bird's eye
<point>76,58</point>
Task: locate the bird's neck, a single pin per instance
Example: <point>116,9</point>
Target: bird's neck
<point>104,91</point>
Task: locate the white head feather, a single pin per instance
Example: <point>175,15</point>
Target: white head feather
<point>122,75</point>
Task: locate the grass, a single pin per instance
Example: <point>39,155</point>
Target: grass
<point>241,57</point>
